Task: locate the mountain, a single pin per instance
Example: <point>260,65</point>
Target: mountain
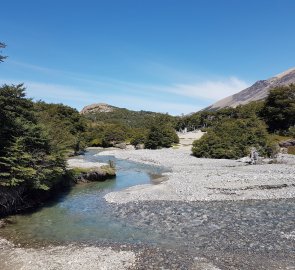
<point>258,91</point>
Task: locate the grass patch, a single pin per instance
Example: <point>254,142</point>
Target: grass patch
<point>279,138</point>
<point>107,169</point>
<point>291,150</point>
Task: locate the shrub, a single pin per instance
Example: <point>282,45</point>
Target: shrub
<point>233,138</point>
<point>279,108</point>
<point>161,136</point>
<point>291,150</point>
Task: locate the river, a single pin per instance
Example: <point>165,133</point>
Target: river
<point>82,215</point>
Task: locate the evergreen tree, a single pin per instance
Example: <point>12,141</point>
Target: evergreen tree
<point>279,108</point>
<point>26,156</point>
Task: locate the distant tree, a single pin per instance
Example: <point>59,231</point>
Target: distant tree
<point>2,46</point>
<point>162,133</point>
<point>112,135</point>
<point>279,108</point>
<point>64,126</point>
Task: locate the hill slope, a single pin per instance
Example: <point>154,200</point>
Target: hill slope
<point>257,91</point>
<point>104,113</point>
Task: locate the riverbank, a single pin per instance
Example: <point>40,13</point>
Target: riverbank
<point>184,232</point>
<point>69,257</point>
<point>24,198</point>
<point>195,179</point>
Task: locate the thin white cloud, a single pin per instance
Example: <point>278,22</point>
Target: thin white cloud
<point>176,98</point>
<point>210,89</point>
<point>57,93</point>
<point>213,90</point>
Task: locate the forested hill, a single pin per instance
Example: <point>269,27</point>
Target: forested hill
<point>105,113</point>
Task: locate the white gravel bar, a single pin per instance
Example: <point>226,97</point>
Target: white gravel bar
<point>197,179</point>
<point>63,258</point>
<point>81,163</point>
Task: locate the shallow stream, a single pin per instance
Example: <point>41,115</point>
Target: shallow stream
<point>82,215</point>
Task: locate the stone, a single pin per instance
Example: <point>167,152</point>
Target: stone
<point>288,143</point>
<point>139,146</point>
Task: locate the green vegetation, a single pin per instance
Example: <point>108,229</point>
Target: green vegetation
<point>63,125</point>
<point>161,134</point>
<point>107,129</point>
<point>232,138</point>
<point>93,174</point>
<point>126,118</point>
<point>279,108</point>
<point>26,154</point>
<point>233,131</point>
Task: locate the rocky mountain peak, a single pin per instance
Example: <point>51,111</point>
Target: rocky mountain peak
<point>97,107</point>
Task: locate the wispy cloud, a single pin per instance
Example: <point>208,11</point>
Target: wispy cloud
<point>209,89</point>
<point>79,90</point>
<point>57,93</point>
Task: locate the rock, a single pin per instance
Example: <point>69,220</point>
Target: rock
<point>130,147</point>
<point>120,145</point>
<point>245,160</point>
<point>95,174</point>
<point>287,143</point>
<point>98,107</point>
<point>139,146</point>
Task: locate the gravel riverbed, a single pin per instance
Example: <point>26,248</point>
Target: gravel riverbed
<point>193,179</point>
<point>207,215</point>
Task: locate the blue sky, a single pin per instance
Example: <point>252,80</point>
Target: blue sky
<point>159,55</point>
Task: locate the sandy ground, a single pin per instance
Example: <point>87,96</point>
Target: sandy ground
<point>186,139</point>
<point>195,179</point>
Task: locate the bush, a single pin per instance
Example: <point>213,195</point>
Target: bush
<point>161,136</point>
<point>138,139</point>
<point>279,108</point>
<point>291,150</point>
<point>233,138</point>
<point>291,132</point>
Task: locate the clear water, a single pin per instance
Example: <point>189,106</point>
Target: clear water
<point>82,214</point>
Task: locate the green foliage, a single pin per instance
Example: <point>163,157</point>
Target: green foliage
<point>291,131</point>
<point>26,156</point>
<point>138,137</point>
<point>113,135</point>
<point>279,108</point>
<point>205,119</point>
<point>161,134</point>
<point>122,125</point>
<point>232,138</point>
<point>291,150</point>
<point>106,135</point>
<point>126,118</point>
<point>64,126</point>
